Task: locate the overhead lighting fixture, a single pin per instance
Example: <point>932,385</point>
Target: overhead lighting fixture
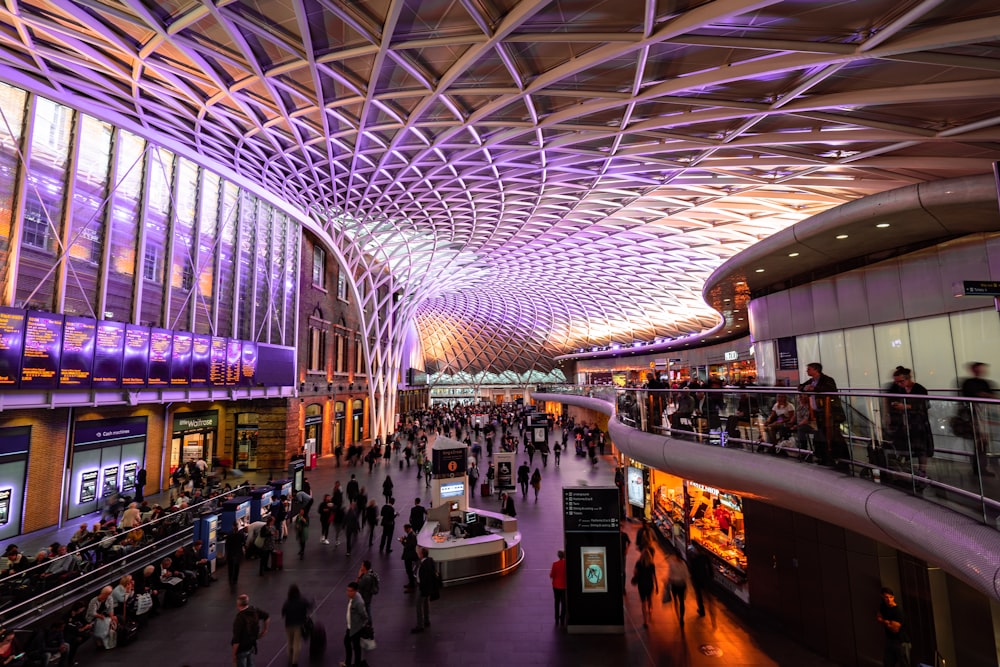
<point>758,270</point>
<point>882,225</point>
<point>841,237</point>
<point>793,254</point>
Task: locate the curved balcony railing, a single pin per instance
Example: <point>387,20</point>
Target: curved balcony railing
<point>941,448</point>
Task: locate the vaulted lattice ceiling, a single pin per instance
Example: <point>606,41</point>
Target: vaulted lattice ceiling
<point>558,174</point>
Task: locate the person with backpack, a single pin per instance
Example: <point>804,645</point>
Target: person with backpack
<point>368,585</point>
<point>247,631</point>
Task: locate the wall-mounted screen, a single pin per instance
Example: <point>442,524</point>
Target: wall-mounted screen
<point>201,360</point>
<point>135,363</point>
<point>88,486</point>
<point>5,506</point>
<point>110,485</point>
<point>217,370</point>
<point>234,351</point>
<point>11,342</point>
<point>248,364</point>
<point>180,363</point>
<point>452,489</point>
<point>79,336</point>
<point>109,349</point>
<point>161,345</point>
<point>128,475</point>
<point>42,351</point>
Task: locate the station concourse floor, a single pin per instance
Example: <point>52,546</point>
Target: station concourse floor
<point>496,622</point>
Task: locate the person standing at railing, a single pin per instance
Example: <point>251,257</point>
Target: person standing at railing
<point>978,386</point>
<point>829,442</point>
<point>909,425</point>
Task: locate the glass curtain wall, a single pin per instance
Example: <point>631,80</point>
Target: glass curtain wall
<point>95,221</point>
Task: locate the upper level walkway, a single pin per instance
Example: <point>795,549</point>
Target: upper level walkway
<point>942,507</point>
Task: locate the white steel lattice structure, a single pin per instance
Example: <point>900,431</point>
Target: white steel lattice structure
<point>523,178</point>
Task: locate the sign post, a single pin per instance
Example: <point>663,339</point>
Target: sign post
<point>595,565</point>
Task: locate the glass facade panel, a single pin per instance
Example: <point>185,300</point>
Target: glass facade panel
<point>44,201</point>
<point>861,370</point>
<point>276,288</point>
<point>892,348</point>
<point>968,331</point>
<point>248,231</point>
<point>12,114</point>
<point>88,215</point>
<point>182,265</point>
<point>127,197</point>
<point>262,291</point>
<point>228,223</point>
<point>292,249</point>
<point>158,205</point>
<point>207,244</point>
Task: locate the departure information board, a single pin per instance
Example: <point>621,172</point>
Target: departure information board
<point>11,341</point>
<point>42,350</point>
<point>76,369</point>
<point>180,366</point>
<point>135,363</point>
<point>234,351</point>
<point>248,364</point>
<point>201,360</point>
<point>217,373</point>
<point>161,345</point>
<point>108,351</point>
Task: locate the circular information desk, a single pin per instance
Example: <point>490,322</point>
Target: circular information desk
<point>464,559</point>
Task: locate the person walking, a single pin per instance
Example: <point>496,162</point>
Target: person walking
<point>388,515</point>
<point>645,581</point>
<point>370,519</point>
<point>325,517</point>
<point>523,477</point>
<point>368,586</point>
<point>677,578</point>
<point>427,589</point>
<point>300,524</point>
<point>975,417</point>
<point>829,442</point>
<point>410,556</point>
<point>557,573</point>
<point>507,505</point>
<point>295,611</point>
<point>700,568</point>
<point>418,515</point>
<point>249,626</point>
<point>557,450</point>
<point>909,424</point>
<point>473,479</point>
<point>387,487</point>
<point>357,619</point>
<point>265,541</point>
<point>536,482</point>
<point>351,525</point>
<point>897,640</point>
<point>235,551</point>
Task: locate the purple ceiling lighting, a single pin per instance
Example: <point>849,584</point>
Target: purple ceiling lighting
<point>525,179</point>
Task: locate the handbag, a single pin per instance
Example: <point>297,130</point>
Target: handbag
<point>143,603</point>
<point>367,632</point>
<point>308,627</point>
<point>368,644</point>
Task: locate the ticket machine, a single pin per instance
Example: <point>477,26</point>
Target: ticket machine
<point>235,512</point>
<point>260,503</point>
<point>282,487</point>
<point>206,529</point>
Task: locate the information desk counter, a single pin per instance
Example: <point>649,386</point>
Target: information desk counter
<point>464,559</point>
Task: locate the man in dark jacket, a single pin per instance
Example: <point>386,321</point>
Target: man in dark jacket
<point>427,590</point>
<point>829,443</point>
<point>418,514</point>
<point>247,630</point>
<point>388,515</point>
<point>235,546</point>
<point>409,541</point>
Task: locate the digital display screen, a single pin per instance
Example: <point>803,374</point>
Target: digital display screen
<point>77,365</point>
<point>88,486</point>
<point>110,485</point>
<point>471,518</point>
<point>452,489</point>
<point>201,360</point>
<point>135,363</point>
<point>128,476</point>
<point>248,364</point>
<point>161,345</point>
<point>180,363</point>
<point>636,488</point>
<point>217,372</point>
<point>234,352</point>
<point>11,341</point>
<point>42,349</point>
<point>108,351</point>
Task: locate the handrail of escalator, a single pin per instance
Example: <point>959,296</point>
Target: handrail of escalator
<point>176,526</point>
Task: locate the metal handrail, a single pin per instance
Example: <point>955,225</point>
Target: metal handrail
<point>39,606</point>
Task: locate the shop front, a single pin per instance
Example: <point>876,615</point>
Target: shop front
<point>107,455</point>
<point>247,433</point>
<point>194,437</point>
<point>358,421</point>
<point>313,431</point>
<point>339,424</point>
<point>689,514</point>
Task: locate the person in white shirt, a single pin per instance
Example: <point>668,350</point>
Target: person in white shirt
<point>779,422</point>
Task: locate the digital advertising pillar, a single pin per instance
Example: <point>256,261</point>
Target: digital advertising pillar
<point>449,484</point>
<point>594,560</point>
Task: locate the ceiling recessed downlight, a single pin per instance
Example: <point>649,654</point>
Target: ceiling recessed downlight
<point>882,225</point>
<point>841,237</point>
<point>793,254</point>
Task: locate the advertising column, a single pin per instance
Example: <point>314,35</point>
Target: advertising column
<point>594,560</point>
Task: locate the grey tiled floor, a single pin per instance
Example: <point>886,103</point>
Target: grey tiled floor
<point>504,621</point>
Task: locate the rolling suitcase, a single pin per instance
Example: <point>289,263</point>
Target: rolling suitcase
<point>277,559</point>
<point>484,489</point>
<point>317,642</point>
<point>128,630</point>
